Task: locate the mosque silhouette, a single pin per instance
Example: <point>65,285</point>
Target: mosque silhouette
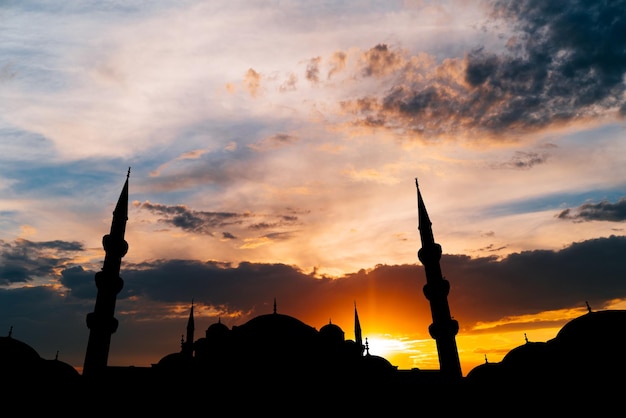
<point>276,364</point>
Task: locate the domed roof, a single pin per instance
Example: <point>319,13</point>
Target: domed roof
<point>486,372</point>
<point>600,325</point>
<point>332,333</point>
<point>16,353</point>
<point>526,354</point>
<point>274,324</point>
<point>377,364</point>
<point>61,370</point>
<point>175,361</point>
<point>217,330</point>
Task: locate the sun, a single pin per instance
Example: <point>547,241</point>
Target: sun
<point>384,346</point>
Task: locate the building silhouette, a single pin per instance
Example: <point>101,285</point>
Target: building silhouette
<point>276,364</point>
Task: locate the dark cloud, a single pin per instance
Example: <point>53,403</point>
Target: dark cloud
<point>565,61</point>
<point>202,222</point>
<point>22,261</point>
<point>194,221</point>
<point>482,289</point>
<point>602,211</point>
<point>568,60</point>
<point>485,289</point>
<point>80,282</point>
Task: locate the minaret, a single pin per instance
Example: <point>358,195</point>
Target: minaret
<point>187,346</point>
<point>101,322</point>
<point>358,338</point>
<point>444,328</point>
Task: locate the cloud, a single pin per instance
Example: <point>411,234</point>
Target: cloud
<point>252,81</point>
<point>190,155</point>
<point>337,63</point>
<point>205,222</point>
<point>561,65</point>
<point>380,61</point>
<point>484,289</point>
<point>313,70</point>
<point>522,160</point>
<point>193,221</point>
<point>274,142</point>
<point>602,211</point>
<point>23,261</point>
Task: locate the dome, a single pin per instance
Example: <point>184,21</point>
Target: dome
<point>599,326</point>
<point>526,355</point>
<point>274,327</point>
<point>332,333</point>
<point>16,353</point>
<point>377,365</point>
<point>216,330</point>
<point>273,341</point>
<point>61,371</point>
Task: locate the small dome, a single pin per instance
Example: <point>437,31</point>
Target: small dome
<point>377,364</point>
<point>217,330</point>
<point>332,333</point>
<point>527,354</point>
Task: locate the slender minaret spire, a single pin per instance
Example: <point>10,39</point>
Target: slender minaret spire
<point>444,328</point>
<point>101,322</point>
<point>358,338</point>
<point>187,346</point>
<point>274,305</point>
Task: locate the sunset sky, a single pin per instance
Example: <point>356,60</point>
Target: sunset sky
<point>274,147</point>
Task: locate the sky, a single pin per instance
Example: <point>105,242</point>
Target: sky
<point>273,149</point>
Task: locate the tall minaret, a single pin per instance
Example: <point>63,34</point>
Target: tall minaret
<point>101,322</point>
<point>444,328</point>
<point>187,347</point>
<point>358,338</point>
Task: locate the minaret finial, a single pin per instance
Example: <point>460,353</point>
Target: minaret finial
<point>11,331</point>
<point>274,304</point>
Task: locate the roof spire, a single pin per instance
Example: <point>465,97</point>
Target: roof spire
<point>274,304</point>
